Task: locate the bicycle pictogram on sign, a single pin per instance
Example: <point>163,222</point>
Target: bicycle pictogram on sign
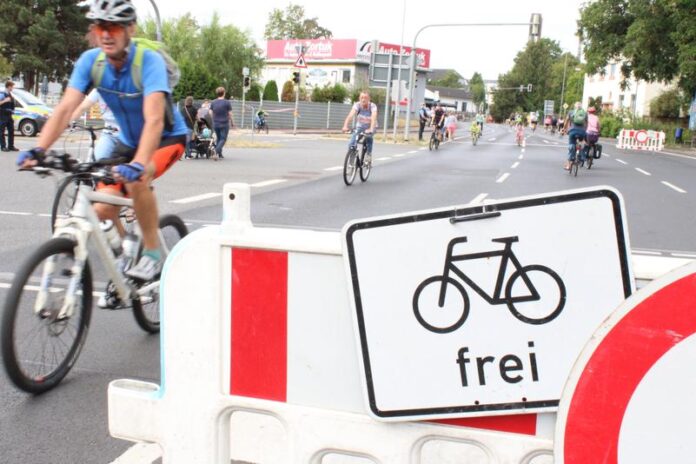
<point>534,293</point>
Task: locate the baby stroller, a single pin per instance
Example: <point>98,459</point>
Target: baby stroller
<point>203,141</point>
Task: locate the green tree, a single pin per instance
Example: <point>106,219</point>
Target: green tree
<point>42,37</point>
<point>655,40</point>
<point>181,35</point>
<point>336,93</point>
<point>270,91</point>
<point>292,24</point>
<point>451,79</point>
<point>195,81</point>
<point>668,104</point>
<point>255,91</point>
<point>477,89</point>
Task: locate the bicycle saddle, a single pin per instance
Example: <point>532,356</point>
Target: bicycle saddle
<point>506,239</point>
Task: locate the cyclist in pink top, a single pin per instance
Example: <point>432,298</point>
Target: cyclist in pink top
<point>593,127</point>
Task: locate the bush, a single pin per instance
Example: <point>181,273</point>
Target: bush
<point>270,92</point>
<point>336,93</point>
<point>254,93</point>
<point>288,94</point>
<point>613,122</point>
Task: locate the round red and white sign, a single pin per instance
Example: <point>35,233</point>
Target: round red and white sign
<point>641,136</point>
<point>629,398</point>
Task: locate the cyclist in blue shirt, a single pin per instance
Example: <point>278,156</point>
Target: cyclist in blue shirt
<point>151,135</point>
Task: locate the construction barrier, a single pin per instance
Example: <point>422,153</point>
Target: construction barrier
<point>639,139</point>
<point>260,363</point>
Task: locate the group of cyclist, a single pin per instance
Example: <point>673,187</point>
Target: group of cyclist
<point>581,125</point>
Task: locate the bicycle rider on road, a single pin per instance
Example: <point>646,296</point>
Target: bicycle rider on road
<point>577,120</point>
<point>438,121</point>
<point>366,113</point>
<point>152,136</point>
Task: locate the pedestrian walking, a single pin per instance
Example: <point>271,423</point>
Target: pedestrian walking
<point>222,118</point>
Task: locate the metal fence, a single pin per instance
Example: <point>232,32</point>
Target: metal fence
<point>311,115</point>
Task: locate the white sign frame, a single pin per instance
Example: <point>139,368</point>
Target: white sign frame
<point>393,397</point>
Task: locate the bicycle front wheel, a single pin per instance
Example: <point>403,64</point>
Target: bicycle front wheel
<point>350,166</point>
<point>66,194</point>
<point>146,306</point>
<point>365,166</point>
<point>46,317</point>
<point>535,294</point>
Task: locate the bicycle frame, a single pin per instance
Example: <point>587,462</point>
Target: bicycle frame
<point>508,256</point>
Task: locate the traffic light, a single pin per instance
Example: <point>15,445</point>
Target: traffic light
<point>529,87</point>
<point>247,82</point>
<point>296,77</point>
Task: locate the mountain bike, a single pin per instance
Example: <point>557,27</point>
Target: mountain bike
<point>435,139</point>
<point>357,159</point>
<point>533,293</point>
<point>48,308</point>
<point>66,191</point>
<point>577,160</point>
<point>475,135</point>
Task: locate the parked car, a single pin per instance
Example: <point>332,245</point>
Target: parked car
<point>30,114</point>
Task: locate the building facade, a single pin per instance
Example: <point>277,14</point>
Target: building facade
<point>635,98</point>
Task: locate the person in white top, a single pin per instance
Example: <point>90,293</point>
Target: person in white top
<point>109,136</point>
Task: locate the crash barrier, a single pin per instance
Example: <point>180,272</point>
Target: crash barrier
<point>639,139</point>
<point>260,363</point>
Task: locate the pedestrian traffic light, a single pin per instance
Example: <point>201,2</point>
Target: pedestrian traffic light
<point>296,77</point>
<point>247,82</point>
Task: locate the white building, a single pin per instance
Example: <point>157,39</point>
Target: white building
<point>636,97</point>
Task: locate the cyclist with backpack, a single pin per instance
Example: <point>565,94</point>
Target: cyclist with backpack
<point>135,82</point>
<point>577,120</point>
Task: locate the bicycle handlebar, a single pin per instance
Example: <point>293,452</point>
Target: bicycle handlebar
<point>99,170</point>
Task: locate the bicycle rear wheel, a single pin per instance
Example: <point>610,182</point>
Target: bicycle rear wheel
<point>365,165</point>
<point>39,345</point>
<point>146,306</point>
<point>350,166</point>
<point>431,143</point>
<point>66,194</point>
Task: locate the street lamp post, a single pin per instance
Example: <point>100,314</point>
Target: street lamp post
<point>157,20</point>
<point>412,68</point>
<point>398,78</point>
<point>565,67</point>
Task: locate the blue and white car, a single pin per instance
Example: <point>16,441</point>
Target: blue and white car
<point>30,113</point>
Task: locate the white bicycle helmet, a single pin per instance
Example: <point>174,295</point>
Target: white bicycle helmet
<point>113,11</point>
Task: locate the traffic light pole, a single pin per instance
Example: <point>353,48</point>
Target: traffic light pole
<point>244,108</point>
<point>412,69</point>
<point>297,106</point>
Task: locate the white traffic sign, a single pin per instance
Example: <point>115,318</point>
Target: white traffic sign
<point>482,310</point>
<point>629,398</point>
<point>301,63</point>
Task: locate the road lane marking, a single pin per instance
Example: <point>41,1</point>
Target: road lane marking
<point>479,198</point>
<point>546,141</point>
<point>399,155</point>
<point>643,172</point>
<point>621,161</point>
<point>385,158</point>
<point>334,168</point>
<point>502,178</point>
<point>16,213</point>
<point>522,151</point>
<point>195,198</point>
<point>520,157</point>
<point>683,255</point>
<point>266,183</point>
<point>674,187</point>
<point>517,163</point>
<point>140,453</point>
<point>412,151</point>
<point>645,252</point>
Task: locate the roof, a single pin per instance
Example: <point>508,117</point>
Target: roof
<point>448,92</point>
<point>437,74</point>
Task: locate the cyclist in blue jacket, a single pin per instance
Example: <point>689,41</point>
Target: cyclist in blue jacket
<point>151,135</point>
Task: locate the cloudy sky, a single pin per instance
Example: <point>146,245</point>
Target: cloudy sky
<point>489,50</point>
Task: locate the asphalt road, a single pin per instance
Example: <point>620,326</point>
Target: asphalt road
<point>296,181</point>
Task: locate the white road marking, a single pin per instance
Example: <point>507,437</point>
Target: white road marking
<point>334,168</point>
<point>383,158</point>
<point>195,198</point>
<point>399,155</point>
<point>423,148</point>
<point>646,252</point>
<point>479,198</point>
<point>502,178</point>
<point>15,213</point>
<point>643,172</point>
<point>607,155</point>
<point>44,215</point>
<point>674,187</point>
<point>522,151</point>
<point>492,140</point>
<point>683,255</point>
<point>621,161</point>
<point>266,183</point>
<point>413,151</point>
<point>517,163</point>
<point>520,157</point>
<point>140,453</point>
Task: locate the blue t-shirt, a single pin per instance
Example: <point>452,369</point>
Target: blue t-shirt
<point>221,110</point>
<point>122,96</point>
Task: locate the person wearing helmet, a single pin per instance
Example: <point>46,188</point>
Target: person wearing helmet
<point>140,111</point>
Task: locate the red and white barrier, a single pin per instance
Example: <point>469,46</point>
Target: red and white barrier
<point>257,334</point>
<point>639,139</point>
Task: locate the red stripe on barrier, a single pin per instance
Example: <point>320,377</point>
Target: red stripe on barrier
<point>522,423</point>
<point>259,333</point>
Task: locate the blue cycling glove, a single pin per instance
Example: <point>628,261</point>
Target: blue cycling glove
<point>34,153</point>
<point>130,172</point>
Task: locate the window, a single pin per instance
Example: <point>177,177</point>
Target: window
<point>612,71</point>
<point>634,99</point>
<point>346,76</point>
<point>621,101</point>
